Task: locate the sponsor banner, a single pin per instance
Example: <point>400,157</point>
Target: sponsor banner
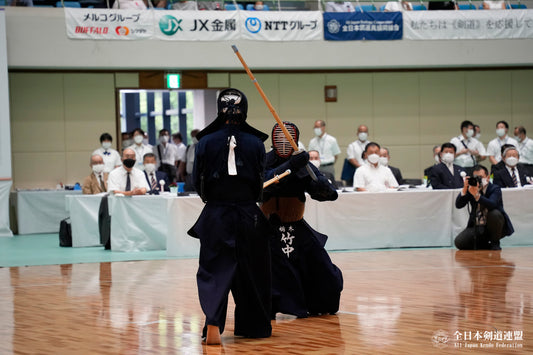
<point>371,26</point>
<point>281,26</point>
<point>108,24</point>
<point>495,24</point>
<point>196,25</point>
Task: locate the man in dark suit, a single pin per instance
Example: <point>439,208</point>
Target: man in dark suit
<point>446,175</point>
<point>501,163</point>
<point>488,222</point>
<point>153,177</point>
<point>384,158</point>
<point>512,175</point>
<point>436,156</point>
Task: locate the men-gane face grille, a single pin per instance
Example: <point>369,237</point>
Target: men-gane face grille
<point>280,143</point>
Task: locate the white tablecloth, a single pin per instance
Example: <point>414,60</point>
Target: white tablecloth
<point>83,212</point>
<point>5,186</point>
<point>40,211</point>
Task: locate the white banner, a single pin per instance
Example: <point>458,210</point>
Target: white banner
<point>282,26</point>
<point>494,24</point>
<point>196,25</point>
<point>109,24</point>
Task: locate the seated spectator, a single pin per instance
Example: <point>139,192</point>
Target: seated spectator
<point>372,176</point>
<point>339,6</point>
<point>96,182</point>
<point>436,156</point>
<point>442,5</point>
<point>259,6</point>
<point>398,6</point>
<point>488,222</point>
<point>184,5</point>
<point>111,156</point>
<point>153,177</point>
<point>493,148</point>
<point>513,175</point>
<point>314,158</point>
<point>130,4</point>
<point>493,5</point>
<point>127,179</point>
<point>384,159</point>
<point>525,148</point>
<point>139,147</point>
<point>446,175</point>
<point>501,163</point>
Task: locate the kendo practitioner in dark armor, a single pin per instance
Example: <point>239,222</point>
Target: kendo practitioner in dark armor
<point>304,280</point>
<point>234,234</point>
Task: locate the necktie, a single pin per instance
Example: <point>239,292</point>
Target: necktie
<point>102,185</point>
<point>128,182</point>
<point>515,182</point>
<point>153,182</point>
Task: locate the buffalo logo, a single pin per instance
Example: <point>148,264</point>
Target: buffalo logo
<point>122,31</point>
<point>253,24</point>
<point>334,26</point>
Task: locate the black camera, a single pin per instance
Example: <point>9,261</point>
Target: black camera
<point>475,181</point>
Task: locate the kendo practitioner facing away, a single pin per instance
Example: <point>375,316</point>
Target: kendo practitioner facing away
<point>234,234</point>
<point>304,280</point>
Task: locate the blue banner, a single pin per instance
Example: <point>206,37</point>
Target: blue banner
<point>370,26</point>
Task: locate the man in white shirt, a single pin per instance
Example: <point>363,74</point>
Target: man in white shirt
<point>127,179</point>
<point>468,148</point>
<point>326,146</point>
<point>525,145</point>
<point>339,6</point>
<point>355,149</point>
<point>110,156</point>
<point>166,155</point>
<point>495,146</point>
<point>372,176</point>
<point>139,147</point>
<point>182,155</point>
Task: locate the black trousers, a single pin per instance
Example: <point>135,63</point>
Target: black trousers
<point>487,237</point>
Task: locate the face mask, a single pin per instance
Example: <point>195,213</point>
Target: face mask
<point>194,140</point>
<point>128,163</point>
<point>478,136</point>
<point>500,132</point>
<point>318,131</point>
<point>316,163</point>
<point>138,139</point>
<point>126,143</point>
<point>106,145</point>
<point>383,161</point>
<point>373,158</point>
<point>163,139</point>
<point>150,168</point>
<point>437,159</point>
<point>511,161</point>
<point>447,158</point>
<point>470,133</point>
<point>259,7</point>
<point>98,168</point>
<point>518,139</point>
<point>362,136</point>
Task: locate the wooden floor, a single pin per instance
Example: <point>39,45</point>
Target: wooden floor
<point>394,302</point>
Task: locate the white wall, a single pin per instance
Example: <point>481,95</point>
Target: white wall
<point>37,39</point>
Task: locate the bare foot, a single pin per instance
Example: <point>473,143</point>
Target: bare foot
<point>213,335</point>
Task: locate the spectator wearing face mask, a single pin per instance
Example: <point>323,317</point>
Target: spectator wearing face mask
<point>513,175</point>
<point>525,148</point>
<point>96,182</point>
<point>446,175</point>
<point>139,147</point>
<point>501,164</point>
<point>166,155</point>
<point>314,158</point>
<point>468,149</point>
<point>494,147</point>
<point>110,155</point>
<point>354,155</point>
<point>327,147</point>
<point>372,176</point>
<point>126,140</point>
<point>127,179</point>
<point>384,159</point>
<point>154,177</point>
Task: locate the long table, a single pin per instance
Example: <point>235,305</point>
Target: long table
<point>414,218</point>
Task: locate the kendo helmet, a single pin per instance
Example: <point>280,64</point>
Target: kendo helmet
<point>232,105</point>
<point>280,143</point>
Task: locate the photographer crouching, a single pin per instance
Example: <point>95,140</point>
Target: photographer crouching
<point>488,222</point>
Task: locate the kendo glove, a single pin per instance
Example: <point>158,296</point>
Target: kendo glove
<point>298,160</point>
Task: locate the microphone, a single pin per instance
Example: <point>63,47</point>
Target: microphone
<point>162,183</point>
<point>463,174</point>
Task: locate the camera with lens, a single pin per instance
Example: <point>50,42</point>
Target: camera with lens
<point>475,181</point>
